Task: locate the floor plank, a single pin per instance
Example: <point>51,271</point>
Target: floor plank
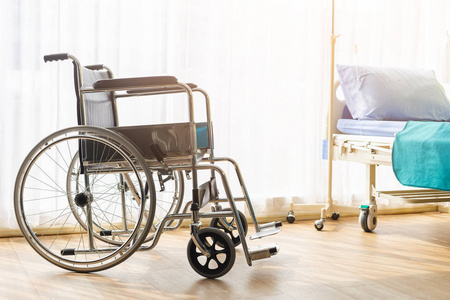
<point>406,257</point>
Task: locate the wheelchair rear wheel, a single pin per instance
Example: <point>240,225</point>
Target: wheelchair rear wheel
<point>168,199</point>
<point>83,225</point>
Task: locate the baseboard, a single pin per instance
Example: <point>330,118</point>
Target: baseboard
<point>307,212</point>
<point>304,212</point>
<point>8,232</point>
<point>444,208</point>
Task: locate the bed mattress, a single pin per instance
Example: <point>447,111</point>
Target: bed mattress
<point>370,127</point>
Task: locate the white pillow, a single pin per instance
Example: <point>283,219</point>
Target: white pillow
<point>375,93</point>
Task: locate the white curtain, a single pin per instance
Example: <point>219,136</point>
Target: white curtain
<point>265,65</point>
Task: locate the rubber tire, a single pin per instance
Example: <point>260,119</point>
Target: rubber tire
<point>318,225</point>
<point>163,208</point>
<point>50,248</point>
<point>335,216</point>
<point>364,219</point>
<point>218,237</point>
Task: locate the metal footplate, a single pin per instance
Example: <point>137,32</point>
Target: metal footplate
<point>263,251</point>
<point>267,229</point>
<point>73,251</point>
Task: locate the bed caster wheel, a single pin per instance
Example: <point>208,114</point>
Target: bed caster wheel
<point>290,217</point>
<point>233,234</point>
<point>368,217</point>
<point>220,248</point>
<point>318,225</point>
<point>335,215</point>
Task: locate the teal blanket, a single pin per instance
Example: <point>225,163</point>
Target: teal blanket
<point>420,155</point>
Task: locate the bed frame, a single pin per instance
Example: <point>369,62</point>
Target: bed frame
<point>371,151</point>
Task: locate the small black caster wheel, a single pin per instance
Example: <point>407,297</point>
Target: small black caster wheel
<point>318,225</point>
<point>233,234</point>
<point>290,217</point>
<point>335,215</point>
<point>221,249</point>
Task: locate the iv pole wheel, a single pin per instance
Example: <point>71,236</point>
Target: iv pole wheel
<point>318,225</point>
<point>335,215</point>
<point>290,217</point>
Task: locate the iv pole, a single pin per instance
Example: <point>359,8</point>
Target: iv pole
<point>368,213</point>
<point>325,211</point>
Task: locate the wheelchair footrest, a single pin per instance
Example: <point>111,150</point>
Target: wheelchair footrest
<point>73,251</point>
<point>267,229</point>
<point>263,251</point>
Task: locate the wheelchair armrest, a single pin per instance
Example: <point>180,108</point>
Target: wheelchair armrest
<point>134,82</point>
<point>94,67</point>
<point>160,89</point>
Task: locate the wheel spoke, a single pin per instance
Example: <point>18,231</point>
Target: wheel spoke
<point>50,179</point>
<point>213,246</point>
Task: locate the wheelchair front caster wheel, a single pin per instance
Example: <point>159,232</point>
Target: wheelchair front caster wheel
<point>368,218</point>
<point>221,249</point>
<point>290,217</point>
<point>318,225</point>
<point>233,233</point>
<point>335,215</point>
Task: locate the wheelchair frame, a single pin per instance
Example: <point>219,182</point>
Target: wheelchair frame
<point>203,242</point>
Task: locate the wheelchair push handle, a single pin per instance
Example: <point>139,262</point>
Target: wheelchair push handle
<point>58,56</point>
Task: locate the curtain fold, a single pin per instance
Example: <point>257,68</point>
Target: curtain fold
<point>265,65</point>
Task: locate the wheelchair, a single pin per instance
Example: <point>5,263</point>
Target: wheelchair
<point>87,197</point>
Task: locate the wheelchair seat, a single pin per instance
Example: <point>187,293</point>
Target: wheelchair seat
<point>176,142</point>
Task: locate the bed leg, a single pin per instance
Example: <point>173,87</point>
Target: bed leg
<point>368,215</point>
<point>371,182</point>
<point>323,218</point>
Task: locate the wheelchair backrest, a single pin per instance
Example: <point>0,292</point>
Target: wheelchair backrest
<point>97,109</point>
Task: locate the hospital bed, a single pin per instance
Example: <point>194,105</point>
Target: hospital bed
<point>408,146</point>
<point>87,197</point>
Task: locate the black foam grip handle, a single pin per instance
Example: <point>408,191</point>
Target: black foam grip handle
<point>58,56</point>
<point>68,251</point>
<point>94,67</point>
<point>105,232</point>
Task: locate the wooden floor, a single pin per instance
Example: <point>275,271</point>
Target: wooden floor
<point>407,257</point>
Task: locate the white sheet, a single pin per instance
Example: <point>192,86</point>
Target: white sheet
<point>370,127</point>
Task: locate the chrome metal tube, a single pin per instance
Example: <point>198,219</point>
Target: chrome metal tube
<point>243,188</point>
<point>232,206</point>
